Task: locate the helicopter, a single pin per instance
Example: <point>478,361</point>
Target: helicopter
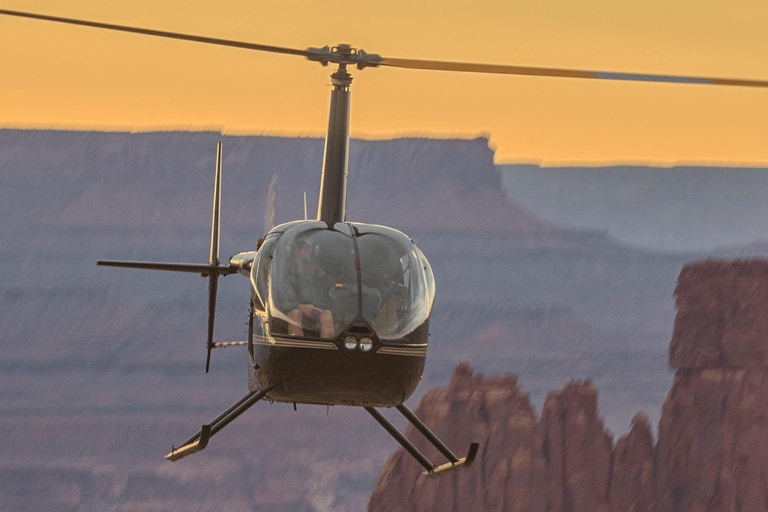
<point>339,311</point>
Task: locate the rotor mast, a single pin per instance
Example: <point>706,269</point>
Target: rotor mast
<point>332,204</point>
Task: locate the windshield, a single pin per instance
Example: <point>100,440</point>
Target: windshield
<point>321,280</point>
<point>398,279</point>
<point>313,281</point>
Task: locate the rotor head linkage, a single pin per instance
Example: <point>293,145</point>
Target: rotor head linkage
<point>341,78</point>
<point>343,54</point>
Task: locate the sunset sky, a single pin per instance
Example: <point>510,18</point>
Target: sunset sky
<point>73,77</point>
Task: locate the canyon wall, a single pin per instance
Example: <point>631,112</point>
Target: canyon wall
<point>710,455</point>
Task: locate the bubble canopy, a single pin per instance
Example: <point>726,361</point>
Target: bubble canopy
<point>320,280</point>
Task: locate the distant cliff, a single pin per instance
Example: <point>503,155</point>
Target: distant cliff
<point>408,183</point>
<point>710,455</point>
<point>681,208</point>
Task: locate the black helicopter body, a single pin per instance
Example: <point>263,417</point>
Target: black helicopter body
<point>339,311</point>
<point>379,289</point>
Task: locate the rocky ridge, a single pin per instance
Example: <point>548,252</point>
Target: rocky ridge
<point>710,455</point>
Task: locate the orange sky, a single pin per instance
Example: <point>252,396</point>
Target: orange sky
<point>65,76</point>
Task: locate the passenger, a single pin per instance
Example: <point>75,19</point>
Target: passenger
<point>309,287</point>
<point>337,261</point>
<point>393,299</point>
<point>382,271</point>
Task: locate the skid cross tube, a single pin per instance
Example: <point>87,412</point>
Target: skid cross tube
<point>400,438</point>
<point>200,440</point>
<point>255,397</point>
<point>432,438</point>
<point>433,471</point>
<point>218,418</point>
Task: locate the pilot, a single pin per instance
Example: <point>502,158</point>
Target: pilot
<point>309,286</point>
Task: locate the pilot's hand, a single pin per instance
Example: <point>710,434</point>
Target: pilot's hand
<point>310,310</point>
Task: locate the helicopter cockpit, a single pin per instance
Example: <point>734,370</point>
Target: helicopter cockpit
<point>315,281</point>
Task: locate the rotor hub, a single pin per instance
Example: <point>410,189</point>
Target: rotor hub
<point>343,54</point>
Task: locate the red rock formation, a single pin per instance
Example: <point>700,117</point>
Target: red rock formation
<point>711,455</point>
<point>632,475</point>
<point>559,463</point>
<point>722,318</point>
<point>577,449</point>
<point>505,470</point>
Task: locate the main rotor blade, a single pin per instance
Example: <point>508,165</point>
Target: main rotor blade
<point>159,33</point>
<point>471,67</point>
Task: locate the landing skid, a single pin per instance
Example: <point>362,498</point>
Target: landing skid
<point>454,463</point>
<point>200,440</point>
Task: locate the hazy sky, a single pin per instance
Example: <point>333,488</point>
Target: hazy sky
<point>64,76</point>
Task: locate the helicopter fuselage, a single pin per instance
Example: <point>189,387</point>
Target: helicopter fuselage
<point>318,374</point>
<point>376,289</point>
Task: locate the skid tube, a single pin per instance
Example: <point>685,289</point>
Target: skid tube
<point>200,440</point>
<point>454,463</point>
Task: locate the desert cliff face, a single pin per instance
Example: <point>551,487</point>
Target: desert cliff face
<point>710,455</point>
<point>559,462</point>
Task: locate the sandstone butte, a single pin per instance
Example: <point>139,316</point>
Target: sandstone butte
<point>712,448</point>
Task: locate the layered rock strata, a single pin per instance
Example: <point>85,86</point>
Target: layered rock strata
<point>711,453</point>
<point>560,462</point>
